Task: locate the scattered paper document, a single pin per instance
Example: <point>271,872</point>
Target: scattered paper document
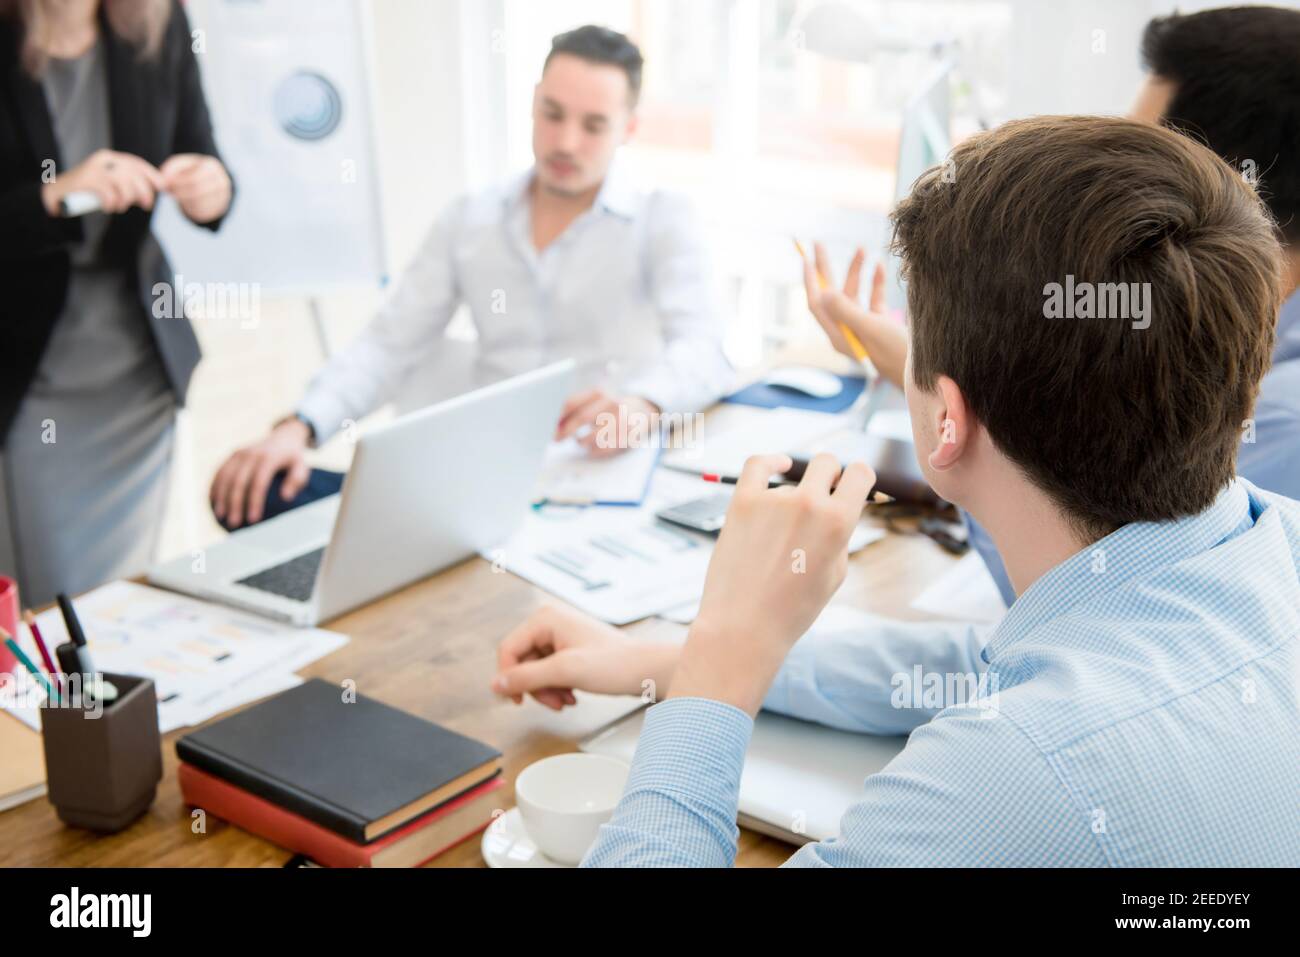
<point>893,424</point>
<point>571,475</point>
<point>203,658</point>
<point>966,592</point>
<point>618,564</point>
<point>855,445</point>
<point>866,533</point>
<point>254,689</point>
<point>778,430</point>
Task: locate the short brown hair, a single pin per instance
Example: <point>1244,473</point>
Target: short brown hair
<point>1117,424</point>
<point>601,45</point>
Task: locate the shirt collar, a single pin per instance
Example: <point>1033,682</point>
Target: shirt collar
<point>515,196</point>
<point>617,194</point>
<point>1125,554</point>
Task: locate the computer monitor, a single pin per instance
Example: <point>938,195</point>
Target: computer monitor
<point>924,141</point>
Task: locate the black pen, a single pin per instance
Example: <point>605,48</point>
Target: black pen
<point>75,634</point>
<point>793,476</point>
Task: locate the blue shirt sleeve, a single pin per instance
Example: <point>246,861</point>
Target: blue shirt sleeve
<point>679,806</point>
<point>859,672</point>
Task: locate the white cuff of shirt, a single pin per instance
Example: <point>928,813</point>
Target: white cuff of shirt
<point>325,413</point>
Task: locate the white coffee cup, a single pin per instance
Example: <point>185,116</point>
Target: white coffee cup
<point>564,799</point>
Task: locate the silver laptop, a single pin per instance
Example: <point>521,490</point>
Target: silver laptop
<point>424,492</point>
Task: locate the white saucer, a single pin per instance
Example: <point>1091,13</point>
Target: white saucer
<point>507,844</point>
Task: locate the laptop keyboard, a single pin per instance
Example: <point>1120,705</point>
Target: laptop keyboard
<point>293,579</point>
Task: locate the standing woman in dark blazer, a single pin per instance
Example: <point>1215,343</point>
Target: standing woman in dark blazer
<point>98,96</point>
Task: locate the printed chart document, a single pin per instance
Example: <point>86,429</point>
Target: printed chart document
<point>203,658</point>
<point>865,534</point>
<point>618,564</point>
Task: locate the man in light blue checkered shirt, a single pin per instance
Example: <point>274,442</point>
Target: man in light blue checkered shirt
<point>1143,715</point>
<point>1139,702</point>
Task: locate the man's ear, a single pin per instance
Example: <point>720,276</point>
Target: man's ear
<point>633,121</point>
<point>953,424</point>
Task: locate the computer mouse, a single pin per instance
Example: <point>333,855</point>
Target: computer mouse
<point>817,383</point>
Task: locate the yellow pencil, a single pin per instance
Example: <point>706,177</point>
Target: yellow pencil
<point>859,350</point>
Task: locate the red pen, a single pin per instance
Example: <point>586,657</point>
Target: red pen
<point>732,480</point>
<point>40,644</point>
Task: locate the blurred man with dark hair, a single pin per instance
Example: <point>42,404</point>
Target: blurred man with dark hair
<point>1230,78</point>
<point>571,258</point>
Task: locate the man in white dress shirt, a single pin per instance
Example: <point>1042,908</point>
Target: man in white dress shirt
<point>570,259</point>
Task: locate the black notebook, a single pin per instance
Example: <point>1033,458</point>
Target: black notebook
<point>359,768</point>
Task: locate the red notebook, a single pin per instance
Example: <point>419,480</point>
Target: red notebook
<point>411,845</point>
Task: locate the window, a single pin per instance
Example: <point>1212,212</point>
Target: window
<point>771,136</point>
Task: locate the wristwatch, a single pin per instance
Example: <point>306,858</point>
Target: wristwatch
<point>311,429</point>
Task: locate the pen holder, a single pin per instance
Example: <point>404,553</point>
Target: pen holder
<point>102,771</point>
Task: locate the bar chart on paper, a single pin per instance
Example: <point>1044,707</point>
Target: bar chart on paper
<point>618,564</point>
<point>203,658</point>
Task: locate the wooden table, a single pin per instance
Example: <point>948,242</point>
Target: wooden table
<point>431,650</point>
